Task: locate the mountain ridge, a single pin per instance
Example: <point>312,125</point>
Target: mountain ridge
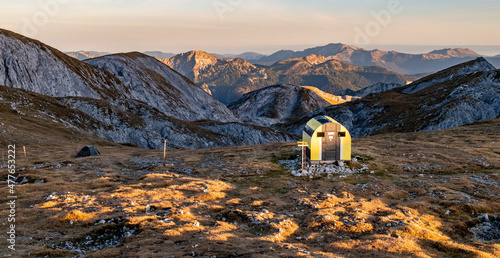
<point>229,79</point>
<point>84,55</point>
<point>155,83</point>
<point>396,61</point>
<point>130,97</point>
<point>276,104</point>
<point>29,64</point>
<point>465,93</point>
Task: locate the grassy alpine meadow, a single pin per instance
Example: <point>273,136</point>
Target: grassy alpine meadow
<point>427,194</point>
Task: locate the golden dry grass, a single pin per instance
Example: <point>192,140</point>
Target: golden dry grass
<point>238,201</point>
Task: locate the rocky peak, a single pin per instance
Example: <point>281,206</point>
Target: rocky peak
<point>276,104</point>
<point>331,49</point>
<point>479,64</point>
<point>31,65</point>
<point>241,62</point>
<point>155,83</point>
<point>315,59</point>
<point>191,63</point>
<point>200,56</point>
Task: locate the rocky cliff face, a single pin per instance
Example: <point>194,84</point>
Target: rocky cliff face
<point>129,121</point>
<point>226,79</point>
<point>276,104</point>
<point>149,80</point>
<point>376,88</point>
<point>135,122</point>
<point>190,64</point>
<point>31,65</point>
<point>462,94</point>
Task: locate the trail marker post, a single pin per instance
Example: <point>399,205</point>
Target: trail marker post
<point>25,157</point>
<point>303,145</point>
<point>164,152</point>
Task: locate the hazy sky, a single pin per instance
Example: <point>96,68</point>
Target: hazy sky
<point>234,26</point>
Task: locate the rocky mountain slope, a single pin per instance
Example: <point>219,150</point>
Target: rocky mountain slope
<point>462,94</point>
<point>31,65</point>
<point>134,98</point>
<point>229,79</point>
<point>332,99</point>
<point>277,104</point>
<point>126,121</point>
<point>333,76</point>
<point>375,88</point>
<point>148,80</point>
<point>399,62</point>
<point>225,79</point>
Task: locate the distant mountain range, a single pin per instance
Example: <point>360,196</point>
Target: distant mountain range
<point>404,63</point>
<point>248,56</point>
<point>83,55</point>
<point>392,60</point>
<point>159,54</point>
<point>495,61</point>
<point>229,79</point>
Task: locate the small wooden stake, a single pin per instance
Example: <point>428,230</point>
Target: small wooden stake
<point>303,157</point>
<point>25,158</point>
<point>303,145</point>
<point>164,152</point>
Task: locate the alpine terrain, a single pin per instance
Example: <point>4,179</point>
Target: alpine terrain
<point>277,104</point>
<point>462,94</point>
<point>423,179</point>
<point>132,98</point>
<point>395,61</point>
<point>229,79</point>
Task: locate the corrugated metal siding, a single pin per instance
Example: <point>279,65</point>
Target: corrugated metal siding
<point>331,147</point>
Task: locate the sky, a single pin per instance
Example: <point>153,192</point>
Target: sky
<point>265,26</point>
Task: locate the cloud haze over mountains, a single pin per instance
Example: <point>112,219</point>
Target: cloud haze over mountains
<point>225,26</point>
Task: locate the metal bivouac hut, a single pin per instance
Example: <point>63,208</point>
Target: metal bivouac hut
<point>327,140</point>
